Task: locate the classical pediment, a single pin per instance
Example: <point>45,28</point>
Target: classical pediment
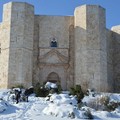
<point>53,57</point>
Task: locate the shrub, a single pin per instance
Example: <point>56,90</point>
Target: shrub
<point>40,91</point>
<point>43,91</point>
<point>108,105</point>
<point>72,91</point>
<point>99,103</point>
<point>78,92</point>
<point>112,106</point>
<point>29,91</point>
<point>59,89</point>
<point>104,100</point>
<point>103,103</point>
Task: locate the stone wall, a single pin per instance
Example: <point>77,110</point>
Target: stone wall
<point>54,27</point>
<point>116,57</point>
<point>110,70</point>
<point>48,59</point>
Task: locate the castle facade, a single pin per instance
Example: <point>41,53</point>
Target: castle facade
<point>68,50</point>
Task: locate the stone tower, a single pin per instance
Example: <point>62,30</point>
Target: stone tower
<point>17,45</point>
<point>90,47</point>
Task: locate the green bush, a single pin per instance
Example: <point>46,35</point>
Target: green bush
<point>72,91</point>
<point>40,91</point>
<point>78,92</point>
<point>59,89</point>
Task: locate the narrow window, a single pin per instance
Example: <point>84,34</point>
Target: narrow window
<point>53,43</point>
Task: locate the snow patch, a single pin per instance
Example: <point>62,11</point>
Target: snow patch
<point>50,85</point>
<point>59,107</point>
<point>3,105</point>
<point>64,110</point>
<point>63,99</point>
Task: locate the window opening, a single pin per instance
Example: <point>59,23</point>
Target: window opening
<point>53,43</point>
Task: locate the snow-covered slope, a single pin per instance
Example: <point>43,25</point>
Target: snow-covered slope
<point>59,107</point>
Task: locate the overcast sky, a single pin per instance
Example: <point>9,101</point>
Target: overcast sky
<point>66,7</point>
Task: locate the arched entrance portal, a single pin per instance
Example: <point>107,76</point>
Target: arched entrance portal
<point>53,77</point>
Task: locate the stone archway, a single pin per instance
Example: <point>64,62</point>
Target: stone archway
<point>53,77</point>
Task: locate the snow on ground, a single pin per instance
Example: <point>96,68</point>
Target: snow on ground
<point>50,85</point>
<point>59,107</point>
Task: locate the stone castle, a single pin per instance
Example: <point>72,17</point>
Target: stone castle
<point>68,50</point>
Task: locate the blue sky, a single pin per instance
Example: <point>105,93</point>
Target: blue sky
<point>66,7</point>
